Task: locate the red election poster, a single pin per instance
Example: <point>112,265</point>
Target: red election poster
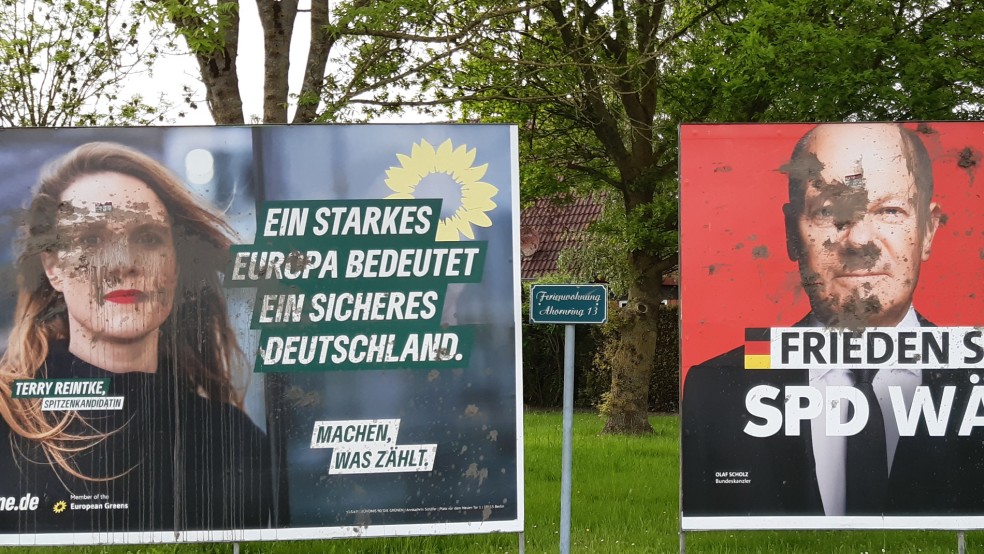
<point>831,308</point>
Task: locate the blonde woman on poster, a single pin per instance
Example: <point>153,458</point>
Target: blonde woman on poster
<point>118,409</point>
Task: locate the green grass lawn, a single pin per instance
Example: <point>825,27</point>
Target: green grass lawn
<point>625,501</point>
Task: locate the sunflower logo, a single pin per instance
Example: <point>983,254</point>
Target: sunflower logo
<point>445,173</point>
<point>59,507</point>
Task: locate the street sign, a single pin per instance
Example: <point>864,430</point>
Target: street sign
<point>569,304</point>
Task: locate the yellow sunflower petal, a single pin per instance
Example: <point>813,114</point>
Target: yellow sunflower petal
<point>444,151</point>
<point>400,196</point>
<point>422,159</point>
<point>470,202</point>
<point>464,227</point>
<point>479,189</point>
<point>465,157</point>
<point>421,149</point>
<point>478,218</point>
<point>401,180</point>
<point>446,232</point>
<point>475,195</point>
<point>467,174</point>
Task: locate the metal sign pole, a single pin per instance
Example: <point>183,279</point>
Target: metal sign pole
<point>568,305</point>
<point>567,453</point>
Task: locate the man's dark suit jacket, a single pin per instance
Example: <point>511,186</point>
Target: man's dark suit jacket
<point>930,475</point>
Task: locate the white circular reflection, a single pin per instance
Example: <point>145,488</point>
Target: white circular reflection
<point>199,166</point>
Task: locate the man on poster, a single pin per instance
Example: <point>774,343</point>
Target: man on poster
<point>859,223</point>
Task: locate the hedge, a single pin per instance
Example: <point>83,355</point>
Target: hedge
<point>543,363</point>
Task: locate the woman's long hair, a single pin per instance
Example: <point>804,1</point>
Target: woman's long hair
<point>196,339</point>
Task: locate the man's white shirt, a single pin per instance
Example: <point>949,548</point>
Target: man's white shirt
<point>830,452</point>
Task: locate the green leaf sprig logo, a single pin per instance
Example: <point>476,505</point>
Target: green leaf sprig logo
<point>473,198</point>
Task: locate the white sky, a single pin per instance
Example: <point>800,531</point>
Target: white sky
<point>171,72</point>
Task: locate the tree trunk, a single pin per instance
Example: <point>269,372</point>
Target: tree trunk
<point>218,71</point>
<point>277,19</point>
<point>217,66</point>
<point>309,99</point>
<point>627,402</point>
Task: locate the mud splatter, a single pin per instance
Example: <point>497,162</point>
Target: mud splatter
<point>852,313</point>
<point>473,472</point>
<point>860,258</point>
<point>845,204</point>
<point>297,261</point>
<point>805,169</point>
<point>760,252</point>
<point>298,397</point>
<point>969,159</point>
<point>362,520</point>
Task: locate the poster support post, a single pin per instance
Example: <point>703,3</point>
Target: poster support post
<point>567,452</point>
<point>568,305</point>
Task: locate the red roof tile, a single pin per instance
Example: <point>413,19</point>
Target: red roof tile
<point>552,225</point>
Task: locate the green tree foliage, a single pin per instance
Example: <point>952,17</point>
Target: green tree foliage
<point>599,88</point>
<point>64,62</point>
<point>767,60</point>
<point>593,80</point>
<point>601,254</point>
<point>360,53</point>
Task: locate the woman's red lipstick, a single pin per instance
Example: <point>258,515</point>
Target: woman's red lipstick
<point>123,296</point>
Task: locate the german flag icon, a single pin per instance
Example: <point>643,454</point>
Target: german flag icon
<point>757,355</point>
